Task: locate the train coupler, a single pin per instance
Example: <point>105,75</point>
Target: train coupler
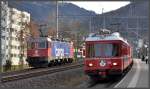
<point>103,74</point>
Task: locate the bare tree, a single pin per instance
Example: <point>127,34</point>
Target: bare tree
<point>33,27</point>
<point>27,30</point>
<point>51,32</point>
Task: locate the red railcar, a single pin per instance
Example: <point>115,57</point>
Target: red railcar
<point>107,55</point>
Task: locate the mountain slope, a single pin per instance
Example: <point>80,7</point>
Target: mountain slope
<point>41,10</point>
<point>73,18</point>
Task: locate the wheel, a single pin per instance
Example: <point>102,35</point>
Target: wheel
<point>59,61</point>
<point>70,60</point>
<point>64,61</point>
<point>49,64</point>
<point>54,63</point>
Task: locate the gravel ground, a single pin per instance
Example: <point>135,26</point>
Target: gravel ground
<point>69,78</point>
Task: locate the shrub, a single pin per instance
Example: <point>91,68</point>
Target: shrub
<point>8,65</point>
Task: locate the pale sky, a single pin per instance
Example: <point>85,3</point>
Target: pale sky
<point>97,6</point>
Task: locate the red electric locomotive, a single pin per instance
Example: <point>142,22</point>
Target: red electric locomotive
<point>107,54</point>
<point>47,51</point>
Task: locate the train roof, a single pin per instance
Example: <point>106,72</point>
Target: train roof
<point>39,39</point>
<point>113,36</point>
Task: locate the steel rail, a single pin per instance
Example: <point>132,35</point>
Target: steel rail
<point>39,72</point>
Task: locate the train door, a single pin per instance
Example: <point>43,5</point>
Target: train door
<point>130,54</point>
<point>125,56</point>
<point>49,49</point>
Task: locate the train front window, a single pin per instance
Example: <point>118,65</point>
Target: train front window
<point>42,45</point>
<point>102,50</point>
<point>31,45</point>
<point>90,50</point>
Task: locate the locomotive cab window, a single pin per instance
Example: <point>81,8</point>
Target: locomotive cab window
<point>90,50</point>
<point>42,44</point>
<point>115,51</point>
<point>31,45</point>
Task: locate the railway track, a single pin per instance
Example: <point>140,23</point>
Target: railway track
<point>17,71</point>
<point>38,72</point>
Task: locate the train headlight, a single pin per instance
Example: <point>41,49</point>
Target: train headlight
<point>114,63</point>
<point>102,63</point>
<point>90,64</point>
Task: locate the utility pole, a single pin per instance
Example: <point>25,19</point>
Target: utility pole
<point>57,17</point>
<point>1,66</point>
<point>137,29</point>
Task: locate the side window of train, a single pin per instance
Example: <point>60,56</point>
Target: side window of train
<point>32,45</point>
<point>42,44</point>
<point>124,50</point>
<point>47,44</point>
<point>90,50</point>
<point>115,50</point>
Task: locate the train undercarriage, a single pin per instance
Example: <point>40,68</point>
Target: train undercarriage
<point>44,62</point>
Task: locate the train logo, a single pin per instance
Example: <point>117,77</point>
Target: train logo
<point>59,52</point>
<point>102,62</point>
